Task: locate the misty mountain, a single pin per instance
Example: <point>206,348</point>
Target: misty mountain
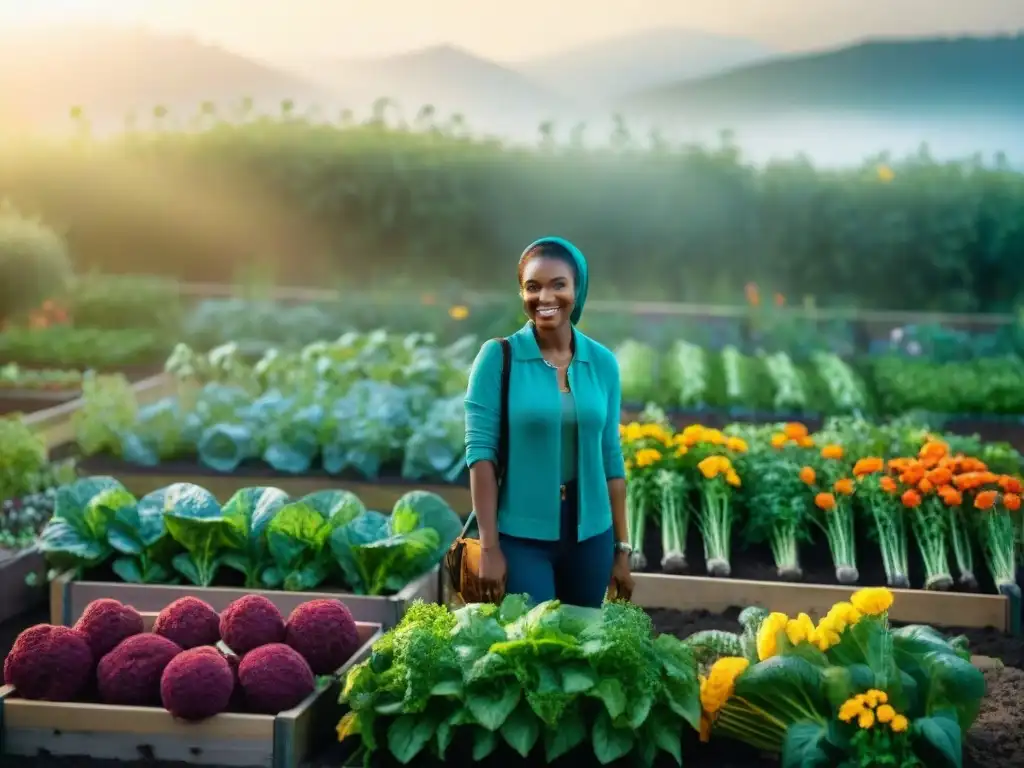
<point>445,77</point>
<point>975,76</point>
<point>619,66</point>
<point>111,72</point>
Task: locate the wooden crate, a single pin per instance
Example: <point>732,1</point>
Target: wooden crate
<point>69,597</point>
<point>913,606</point>
<point>114,732</point>
<point>17,594</point>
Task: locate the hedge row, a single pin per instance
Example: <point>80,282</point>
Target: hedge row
<point>312,202</point>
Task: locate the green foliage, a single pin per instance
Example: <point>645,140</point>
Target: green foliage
<point>182,532</point>
<point>544,680</point>
<point>107,301</point>
<point>368,202</point>
<point>22,458</point>
<point>84,348</point>
<point>34,263</point>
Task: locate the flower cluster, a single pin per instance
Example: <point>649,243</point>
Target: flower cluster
<point>792,434</point>
<point>872,707</point>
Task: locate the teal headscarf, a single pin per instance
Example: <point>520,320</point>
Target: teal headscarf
<point>582,274</point>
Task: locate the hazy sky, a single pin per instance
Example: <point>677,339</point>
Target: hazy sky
<point>520,28</point>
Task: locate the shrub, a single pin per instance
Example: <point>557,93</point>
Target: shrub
<point>189,622</point>
<point>130,674</point>
<point>250,622</point>
<point>34,263</point>
<point>275,678</point>
<point>49,663</point>
<point>106,622</point>
<point>324,634</point>
<point>196,684</point>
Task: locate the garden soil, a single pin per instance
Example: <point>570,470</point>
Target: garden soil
<point>995,741</point>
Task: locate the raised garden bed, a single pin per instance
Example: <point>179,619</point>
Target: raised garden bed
<point>285,740</point>
<point>755,581</point>
<point>380,494</point>
<point>22,581</point>
<point>70,596</point>
<point>54,423</point>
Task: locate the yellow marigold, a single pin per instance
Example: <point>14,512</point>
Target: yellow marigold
<point>794,430</point>
<point>779,440</point>
<point>899,723</point>
<point>691,435</point>
<point>824,636</point>
<point>875,697</point>
<point>713,466</point>
<point>715,437</point>
<point>850,709</point>
<point>842,615</point>
<point>885,713</point>
<point>646,457</point>
<point>732,478</point>
<point>458,312</point>
<point>632,432</point>
<point>682,450</point>
<point>866,719</point>
<point>767,635</point>
<point>705,728</point>
<point>872,601</point>
<point>736,444</point>
<point>798,630</point>
<point>716,689</point>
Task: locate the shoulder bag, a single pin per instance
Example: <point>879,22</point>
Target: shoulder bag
<point>463,558</point>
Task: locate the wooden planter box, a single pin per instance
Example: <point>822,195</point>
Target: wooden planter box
<point>380,495</point>
<point>54,424</point>
<point>913,606</point>
<point>17,596</point>
<point>113,732</point>
<point>69,597</point>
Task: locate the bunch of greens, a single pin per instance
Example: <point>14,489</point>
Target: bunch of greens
<point>183,532</point>
<point>62,346</point>
<point>849,691</point>
<point>22,458</point>
<point>549,680</point>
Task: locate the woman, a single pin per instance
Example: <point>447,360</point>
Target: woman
<point>557,529</point>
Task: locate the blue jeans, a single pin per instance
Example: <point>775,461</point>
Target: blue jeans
<point>575,572</point>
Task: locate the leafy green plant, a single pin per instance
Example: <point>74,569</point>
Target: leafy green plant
<point>22,458</point>
<point>104,301</point>
<point>34,262</point>
<point>84,348</point>
<point>182,532</point>
<point>546,681</point>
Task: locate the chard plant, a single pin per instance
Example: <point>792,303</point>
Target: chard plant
<point>648,451</point>
<point>993,506</point>
<point>829,479</point>
<point>877,493</point>
<point>710,454</point>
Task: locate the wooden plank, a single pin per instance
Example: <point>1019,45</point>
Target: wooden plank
<point>54,424</point>
<point>691,593</point>
<point>131,733</point>
<point>380,496</point>
<point>17,596</point>
<point>73,596</point>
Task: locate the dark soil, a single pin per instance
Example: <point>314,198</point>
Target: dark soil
<point>996,740</point>
<point>390,474</point>
<point>753,560</point>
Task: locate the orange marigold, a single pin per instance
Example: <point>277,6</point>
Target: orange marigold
<point>1010,484</point>
<point>911,498</point>
<point>808,476</point>
<point>795,430</point>
<point>985,500</point>
<point>887,484</point>
<point>868,466</point>
<point>844,486</point>
<point>925,485</point>
<point>933,449</point>
<point>950,496</point>
<point>939,476</point>
<point>825,501</point>
<point>832,451</point>
<point>805,442</point>
<point>1011,501</point>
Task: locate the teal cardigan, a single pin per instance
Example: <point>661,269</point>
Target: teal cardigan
<point>529,504</point>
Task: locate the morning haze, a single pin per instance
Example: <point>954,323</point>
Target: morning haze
<point>785,75</point>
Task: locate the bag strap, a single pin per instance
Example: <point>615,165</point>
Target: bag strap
<point>502,463</point>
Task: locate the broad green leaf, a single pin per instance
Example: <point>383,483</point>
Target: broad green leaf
<point>954,684</point>
<point>610,743</point>
<point>663,730</point>
<point>408,735</point>
<point>938,741</point>
<point>127,569</point>
<point>786,686</point>
<point>803,746</point>
<point>521,729</point>
<point>491,708</point>
<point>569,734</point>
<point>484,743</point>
<point>77,535</point>
<point>423,509</point>
<point>577,677</point>
<point>339,507</point>
<point>193,518</point>
<point>609,690</point>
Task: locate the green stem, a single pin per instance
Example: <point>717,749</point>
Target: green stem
<point>636,522</point>
<point>997,536</point>
<point>675,524</point>
<point>892,541</point>
<point>961,541</point>
<point>928,525</point>
<point>715,522</point>
<point>784,548</point>
<point>838,528</point>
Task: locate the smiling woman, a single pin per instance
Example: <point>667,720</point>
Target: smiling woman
<point>555,526</point>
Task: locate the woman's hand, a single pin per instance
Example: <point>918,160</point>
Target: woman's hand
<point>493,570</point>
<point>621,585</point>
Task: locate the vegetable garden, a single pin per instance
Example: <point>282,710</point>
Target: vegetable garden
<point>224,516</point>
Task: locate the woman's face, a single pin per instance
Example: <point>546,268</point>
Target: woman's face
<point>549,292</point>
